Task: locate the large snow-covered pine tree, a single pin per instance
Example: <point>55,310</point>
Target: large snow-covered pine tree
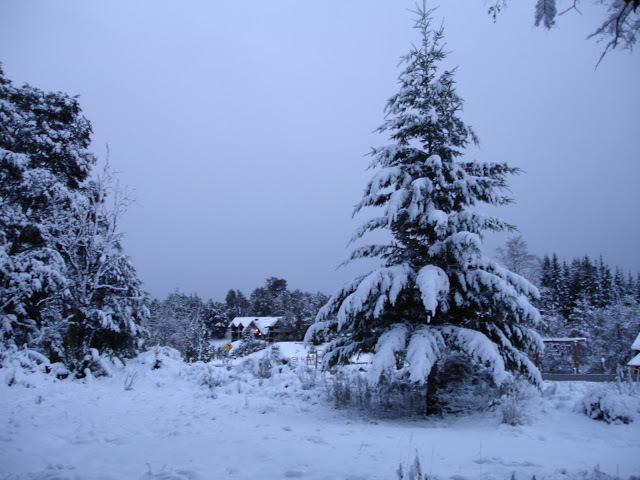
<point>435,292</point>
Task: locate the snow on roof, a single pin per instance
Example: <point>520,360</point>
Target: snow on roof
<point>636,343</point>
<point>263,323</point>
<point>635,361</point>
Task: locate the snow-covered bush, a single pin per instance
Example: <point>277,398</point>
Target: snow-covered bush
<point>511,411</point>
<point>347,388</point>
<point>514,402</point>
<point>249,345</point>
<point>94,364</point>
<point>276,353</point>
<point>212,377</point>
<point>413,471</point>
<point>612,403</point>
<point>22,366</point>
<point>308,377</point>
<point>129,380</point>
<point>265,366</point>
<point>18,365</point>
<point>350,388</point>
<point>463,386</point>
<point>161,358</point>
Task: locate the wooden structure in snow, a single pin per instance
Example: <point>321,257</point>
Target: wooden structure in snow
<point>634,363</point>
<point>263,328</point>
<point>569,344</point>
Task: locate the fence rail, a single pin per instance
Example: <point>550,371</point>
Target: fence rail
<point>583,377</point>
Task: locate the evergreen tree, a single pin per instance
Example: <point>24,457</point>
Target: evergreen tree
<point>547,302</point>
<point>564,290</point>
<point>546,273</point>
<point>273,299</point>
<point>619,286</point>
<point>436,291</point>
<point>603,293</point>
<point>44,159</point>
<point>216,318</point>
<point>237,304</point>
<point>66,288</point>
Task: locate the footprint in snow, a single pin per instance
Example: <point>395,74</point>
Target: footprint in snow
<point>317,440</point>
<point>501,461</point>
<point>293,474</point>
<point>165,474</point>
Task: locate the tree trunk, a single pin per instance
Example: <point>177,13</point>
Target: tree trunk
<point>432,407</point>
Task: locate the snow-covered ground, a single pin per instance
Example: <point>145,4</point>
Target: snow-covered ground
<point>208,422</point>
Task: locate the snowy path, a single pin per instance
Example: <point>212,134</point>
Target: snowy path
<point>173,429</point>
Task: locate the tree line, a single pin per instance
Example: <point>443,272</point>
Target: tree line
<point>572,288</point>
<point>192,324</point>
<point>580,297</point>
<point>587,298</point>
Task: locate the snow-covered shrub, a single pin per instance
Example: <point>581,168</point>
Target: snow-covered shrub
<point>161,358</point>
<point>511,411</point>
<point>129,380</point>
<point>514,402</point>
<point>308,377</point>
<point>350,388</point>
<point>23,366</point>
<point>212,377</point>
<point>94,364</point>
<point>463,386</point>
<point>413,471</point>
<point>347,388</point>
<point>612,403</point>
<point>276,353</point>
<point>249,345</point>
<point>18,364</point>
<point>264,366</point>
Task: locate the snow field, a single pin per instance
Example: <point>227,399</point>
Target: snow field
<point>202,421</point>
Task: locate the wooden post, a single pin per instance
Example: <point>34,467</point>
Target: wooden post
<point>576,358</point>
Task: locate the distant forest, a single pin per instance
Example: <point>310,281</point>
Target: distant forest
<point>580,297</point>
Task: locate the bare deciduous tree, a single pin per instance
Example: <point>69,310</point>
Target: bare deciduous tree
<point>516,257</point>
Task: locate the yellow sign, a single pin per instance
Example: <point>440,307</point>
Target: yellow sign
<point>228,347</point>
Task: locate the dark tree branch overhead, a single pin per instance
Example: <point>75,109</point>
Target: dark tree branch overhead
<point>619,29</point>
<point>574,6</point>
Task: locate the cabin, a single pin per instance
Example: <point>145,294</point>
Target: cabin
<point>271,329</point>
<point>634,363</point>
<point>561,355</point>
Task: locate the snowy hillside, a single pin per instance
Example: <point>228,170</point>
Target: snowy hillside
<point>200,421</point>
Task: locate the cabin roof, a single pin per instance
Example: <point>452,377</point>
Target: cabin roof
<point>635,361</point>
<point>636,344</point>
<point>262,323</point>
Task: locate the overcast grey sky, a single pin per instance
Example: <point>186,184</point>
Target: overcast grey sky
<point>242,126</point>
